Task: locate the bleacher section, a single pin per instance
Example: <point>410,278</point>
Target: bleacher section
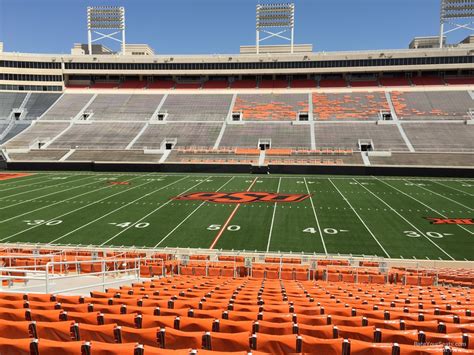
<point>67,107</point>
<point>282,135</point>
<point>268,304</point>
<point>38,103</point>
<point>113,155</point>
<point>441,137</point>
<point>38,132</point>
<point>39,154</point>
<point>432,104</point>
<point>271,107</point>
<point>9,101</point>
<point>98,135</point>
<point>346,135</point>
<point>16,129</point>
<point>124,107</point>
<point>348,106</point>
<point>187,134</point>
<point>424,159</point>
<point>197,107</point>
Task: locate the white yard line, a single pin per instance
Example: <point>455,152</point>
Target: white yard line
<point>447,198</point>
<point>117,209</point>
<point>316,217</point>
<point>56,203</point>
<point>42,196</point>
<point>68,213</point>
<point>189,215</point>
<point>26,185</point>
<point>422,203</point>
<point>360,219</point>
<point>273,218</point>
<point>407,221</point>
<point>453,188</point>
<point>150,213</point>
<point>17,180</point>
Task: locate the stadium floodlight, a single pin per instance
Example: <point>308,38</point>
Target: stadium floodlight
<point>275,20</point>
<point>106,22</point>
<point>459,14</point>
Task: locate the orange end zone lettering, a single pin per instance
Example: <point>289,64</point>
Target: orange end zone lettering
<point>459,221</point>
<point>242,197</point>
<point>8,176</point>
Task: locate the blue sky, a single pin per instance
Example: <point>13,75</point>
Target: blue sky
<point>219,26</point>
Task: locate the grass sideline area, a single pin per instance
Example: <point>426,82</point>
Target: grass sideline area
<point>409,218</point>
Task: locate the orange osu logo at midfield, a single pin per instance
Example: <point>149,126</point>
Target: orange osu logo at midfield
<point>242,197</point>
<point>459,221</point>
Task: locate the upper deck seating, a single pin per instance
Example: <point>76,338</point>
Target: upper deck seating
<point>202,107</point>
<point>215,84</point>
<point>269,107</point>
<point>364,83</point>
<point>133,84</point>
<point>9,101</point>
<point>303,83</point>
<point>273,84</point>
<point>161,84</point>
<point>243,84</point>
<point>432,104</point>
<point>466,80</point>
<point>428,80</point>
<point>348,106</point>
<point>124,106</point>
<point>332,83</point>
<point>395,81</point>
<point>67,107</point>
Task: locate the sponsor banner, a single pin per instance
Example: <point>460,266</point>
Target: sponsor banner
<point>242,197</point>
<point>460,221</point>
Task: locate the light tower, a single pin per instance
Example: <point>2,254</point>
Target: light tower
<point>106,22</point>
<point>275,20</point>
<point>457,14</point>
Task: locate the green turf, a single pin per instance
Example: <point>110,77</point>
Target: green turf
<point>344,215</point>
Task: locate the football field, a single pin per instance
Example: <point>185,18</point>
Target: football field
<point>422,218</point>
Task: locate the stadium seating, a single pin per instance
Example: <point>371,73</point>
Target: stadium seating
<point>350,106</point>
<point>9,101</point>
<point>67,107</point>
<point>187,107</point>
<point>243,84</point>
<point>38,103</point>
<point>432,104</point>
<point>271,107</point>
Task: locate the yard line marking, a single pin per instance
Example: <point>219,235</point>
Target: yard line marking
<point>407,221</point>
<point>117,209</point>
<point>51,193</point>
<point>189,215</point>
<point>221,231</point>
<point>450,199</point>
<point>67,213</point>
<point>27,185</point>
<point>453,188</point>
<point>150,213</point>
<point>316,217</point>
<point>365,225</point>
<point>424,204</point>
<point>17,180</point>
<point>55,203</point>
<point>273,218</point>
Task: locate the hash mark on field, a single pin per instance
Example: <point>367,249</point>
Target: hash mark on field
<point>273,218</point>
<point>117,209</point>
<point>221,231</point>
<point>149,214</point>
<point>413,198</point>
<point>407,221</point>
<point>360,218</point>
<point>189,215</point>
<point>316,217</point>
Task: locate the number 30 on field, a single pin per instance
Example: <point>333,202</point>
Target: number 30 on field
<point>216,227</point>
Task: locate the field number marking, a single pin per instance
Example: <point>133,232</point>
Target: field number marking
<point>436,235</point>
<point>216,227</point>
<point>37,222</point>
<point>129,224</point>
<point>330,231</point>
